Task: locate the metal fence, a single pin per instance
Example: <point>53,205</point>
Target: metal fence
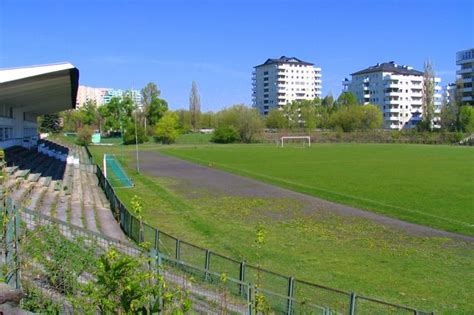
<point>284,294</point>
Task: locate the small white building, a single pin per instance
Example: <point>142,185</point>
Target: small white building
<point>397,90</point>
<point>29,92</point>
<point>278,82</point>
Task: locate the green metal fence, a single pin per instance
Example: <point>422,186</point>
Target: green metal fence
<point>284,294</point>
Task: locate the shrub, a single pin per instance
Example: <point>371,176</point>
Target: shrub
<point>225,134</point>
<point>167,129</point>
<point>129,135</point>
<point>84,135</point>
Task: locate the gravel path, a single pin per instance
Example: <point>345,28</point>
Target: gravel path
<point>195,176</point>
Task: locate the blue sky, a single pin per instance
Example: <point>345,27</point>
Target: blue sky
<point>126,44</point>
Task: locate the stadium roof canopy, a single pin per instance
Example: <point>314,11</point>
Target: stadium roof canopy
<point>43,89</point>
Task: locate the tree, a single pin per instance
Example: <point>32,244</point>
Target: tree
<point>167,129</point>
<point>117,113</point>
<point>149,93</point>
<point>225,134</point>
<point>245,120</point>
<point>155,110</point>
<point>194,105</point>
<point>428,96</point>
<point>371,117</point>
<point>84,135</point>
<point>50,123</point>
<point>276,119</point>
<point>466,118</point>
<point>357,117</point>
<point>328,101</point>
<point>449,117</point>
<point>346,99</point>
<point>129,134</point>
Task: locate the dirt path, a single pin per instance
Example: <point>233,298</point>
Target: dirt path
<point>219,182</point>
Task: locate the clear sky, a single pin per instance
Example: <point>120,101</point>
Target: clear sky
<point>125,44</point>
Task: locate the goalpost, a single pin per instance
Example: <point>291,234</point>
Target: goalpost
<point>307,138</point>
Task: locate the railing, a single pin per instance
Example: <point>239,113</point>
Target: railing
<point>284,294</point>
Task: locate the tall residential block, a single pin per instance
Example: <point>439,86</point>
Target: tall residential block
<point>278,82</point>
<point>102,96</point>
<point>397,90</point>
<point>465,73</point>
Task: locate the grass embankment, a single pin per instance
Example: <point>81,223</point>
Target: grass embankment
<point>352,254</point>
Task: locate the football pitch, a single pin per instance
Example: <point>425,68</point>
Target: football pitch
<point>428,185</point>
<point>434,182</point>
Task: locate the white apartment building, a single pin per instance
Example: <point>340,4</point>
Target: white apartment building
<point>87,93</point>
<point>103,95</point>
<point>278,82</point>
<point>465,61</point>
<point>397,90</point>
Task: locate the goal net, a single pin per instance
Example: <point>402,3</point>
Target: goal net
<point>304,141</point>
<point>114,172</point>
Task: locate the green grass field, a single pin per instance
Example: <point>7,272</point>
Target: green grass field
<point>428,185</point>
<point>353,254</point>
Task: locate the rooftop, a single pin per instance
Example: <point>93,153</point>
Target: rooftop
<point>390,67</point>
<point>285,59</point>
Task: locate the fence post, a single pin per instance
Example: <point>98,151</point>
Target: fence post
<point>251,298</point>
<point>352,305</point>
<point>157,240</point>
<point>291,285</point>
<point>130,234</point>
<point>178,249</point>
<point>17,273</point>
<point>206,264</point>
<point>242,277</point>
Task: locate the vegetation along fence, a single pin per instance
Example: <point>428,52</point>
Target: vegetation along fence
<point>283,294</point>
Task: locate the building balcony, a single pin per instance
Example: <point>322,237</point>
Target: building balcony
<point>392,102</point>
<point>416,102</point>
<point>467,98</point>
<point>467,89</point>
<point>393,118</point>
<point>393,93</point>
<point>464,71</point>
<point>392,110</point>
<point>467,80</point>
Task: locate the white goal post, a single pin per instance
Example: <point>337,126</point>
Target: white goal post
<point>282,139</point>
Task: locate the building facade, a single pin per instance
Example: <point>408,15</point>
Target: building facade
<point>87,93</point>
<point>397,90</point>
<point>103,95</point>
<point>278,82</point>
<point>465,73</point>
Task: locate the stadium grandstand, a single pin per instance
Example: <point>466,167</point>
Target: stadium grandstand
<point>54,179</point>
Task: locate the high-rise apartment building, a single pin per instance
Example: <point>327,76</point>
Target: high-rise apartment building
<point>465,73</point>
<point>103,95</point>
<point>87,93</point>
<point>278,82</point>
<point>397,90</point>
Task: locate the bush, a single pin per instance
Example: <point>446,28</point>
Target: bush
<point>129,135</point>
<point>167,129</point>
<point>225,134</point>
<point>84,135</point>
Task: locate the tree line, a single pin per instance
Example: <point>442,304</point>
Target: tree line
<point>236,123</point>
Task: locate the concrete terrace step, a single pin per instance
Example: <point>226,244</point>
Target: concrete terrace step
<point>10,170</point>
<point>34,177</point>
<point>21,173</point>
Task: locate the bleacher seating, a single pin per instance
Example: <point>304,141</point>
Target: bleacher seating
<point>59,181</point>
